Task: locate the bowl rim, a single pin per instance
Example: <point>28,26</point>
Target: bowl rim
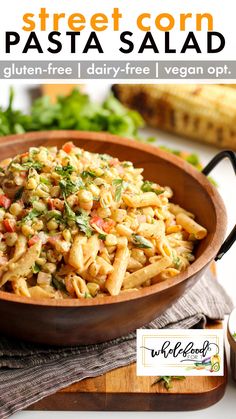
<point>195,268</point>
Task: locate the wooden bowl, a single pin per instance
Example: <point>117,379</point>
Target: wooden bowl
<point>70,322</point>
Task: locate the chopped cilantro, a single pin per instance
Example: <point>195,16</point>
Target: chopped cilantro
<point>64,171</point>
<point>147,186</point>
<point>36,268</point>
<point>105,157</point>
<point>127,164</point>
<point>102,236</point>
<point>167,380</point>
<point>32,165</point>
<point>59,284</point>
<point>88,173</point>
<point>45,181</point>
<point>25,166</point>
<point>69,186</point>
<point>31,215</point>
<point>120,186</point>
<point>176,262</point>
<point>82,219</point>
<point>57,215</point>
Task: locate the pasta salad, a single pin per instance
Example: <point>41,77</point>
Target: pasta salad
<point>76,224</point>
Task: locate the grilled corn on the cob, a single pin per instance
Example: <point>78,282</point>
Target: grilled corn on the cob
<point>203,112</point>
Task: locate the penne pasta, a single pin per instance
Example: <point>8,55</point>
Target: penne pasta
<point>144,200</point>
<point>155,230</point>
<point>37,293</point>
<point>115,279</point>
<point>20,287</point>
<point>164,247</point>
<point>104,267</point>
<point>165,274</point>
<point>176,209</point>
<point>138,278</point>
<point>24,265</point>
<point>191,226</point>
<point>80,286</point>
<point>90,251</point>
<point>76,257</point>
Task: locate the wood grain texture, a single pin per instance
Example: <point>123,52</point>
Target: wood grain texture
<point>122,390</point>
<point>83,321</point>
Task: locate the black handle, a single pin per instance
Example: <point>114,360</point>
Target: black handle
<point>229,241</point>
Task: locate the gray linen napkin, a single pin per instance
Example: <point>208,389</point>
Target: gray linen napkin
<point>29,372</point>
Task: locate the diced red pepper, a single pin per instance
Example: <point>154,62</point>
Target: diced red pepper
<point>53,239</point>
<point>69,287</point>
<point>98,221</point>
<point>103,225</point>
<point>55,204</point>
<point>108,225</point>
<point>114,162</point>
<point>5,202</point>
<point>10,225</point>
<point>51,204</point>
<point>67,147</point>
<point>24,154</point>
<point>33,240</point>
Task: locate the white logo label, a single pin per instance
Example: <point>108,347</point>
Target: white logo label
<point>180,352</point>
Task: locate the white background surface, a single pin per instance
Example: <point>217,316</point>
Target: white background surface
<point>13,10</point>
<point>226,267</point>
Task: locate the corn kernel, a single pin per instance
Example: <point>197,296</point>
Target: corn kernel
<point>66,235</point>
<point>15,209</point>
<point>49,267</point>
<point>18,180</point>
<point>84,196</point>
<point>62,246</point>
<point>119,215</point>
<point>42,156</point>
<point>37,225</point>
<point>94,189</point>
<point>39,206</point>
<point>42,191</point>
<point>55,191</point>
<point>41,261</point>
<point>31,184</point>
<point>52,225</point>
<point>27,230</point>
<point>11,239</point>
<point>104,212</point>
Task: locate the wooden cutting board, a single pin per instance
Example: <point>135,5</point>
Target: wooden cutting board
<point>122,390</point>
